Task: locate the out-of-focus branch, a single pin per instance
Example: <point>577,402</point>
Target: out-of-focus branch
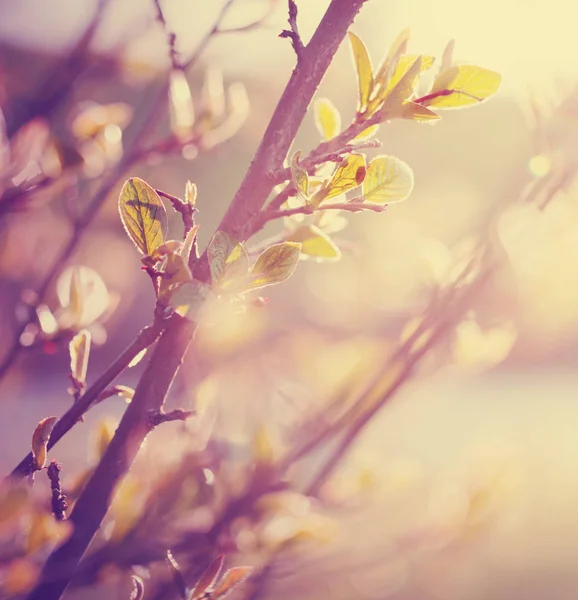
<point>57,86</point>
<point>93,503</point>
<point>71,417</point>
<point>139,151</point>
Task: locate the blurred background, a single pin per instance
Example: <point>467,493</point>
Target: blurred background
<point>465,485</point>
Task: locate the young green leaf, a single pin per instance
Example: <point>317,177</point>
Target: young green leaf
<point>208,579</point>
<point>189,243</point>
<point>274,265</point>
<point>175,271</point>
<point>315,243</point>
<point>348,175</point>
<point>40,439</point>
<point>79,349</point>
<point>143,215</point>
<point>388,180</point>
<point>299,177</point>
<point>417,112</point>
<point>188,298</point>
<point>364,70</point>
<point>463,85</point>
<point>366,134</point>
<point>398,48</point>
<point>327,118</point>
<point>219,249</point>
<point>236,268</point>
<point>230,580</point>
<point>401,86</point>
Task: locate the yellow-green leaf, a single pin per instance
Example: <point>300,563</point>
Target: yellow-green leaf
<point>404,64</point>
<point>463,85</point>
<point>40,439</point>
<point>79,349</point>
<point>175,271</point>
<point>388,180</point>
<point>417,112</point>
<point>219,249</point>
<point>366,134</point>
<point>348,175</point>
<point>236,268</point>
<point>315,243</point>
<point>188,298</point>
<point>404,88</point>
<point>327,118</point>
<point>300,178</point>
<point>398,48</point>
<point>143,215</point>
<point>447,56</point>
<point>275,264</point>
<point>364,70</point>
<point>189,242</point>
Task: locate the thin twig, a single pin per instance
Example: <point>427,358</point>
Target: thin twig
<point>186,211</point>
<point>69,419</point>
<point>178,414</point>
<point>138,152</point>
<point>93,503</point>
<point>443,328</point>
<point>58,501</point>
<point>171,36</point>
<point>293,32</point>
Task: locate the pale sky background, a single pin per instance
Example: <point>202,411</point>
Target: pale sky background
<point>526,40</point>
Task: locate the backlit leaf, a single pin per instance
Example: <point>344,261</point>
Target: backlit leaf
<point>364,70</point>
<point>398,48</point>
<point>388,180</point>
<point>230,580</point>
<point>299,177</point>
<point>463,85</point>
<point>315,243</point>
<point>417,112</point>
<point>189,297</point>
<point>236,268</point>
<point>79,348</point>
<point>275,264</point>
<point>447,56</point>
<point>327,118</point>
<point>348,175</point>
<point>208,578</point>
<point>189,243</point>
<point>40,439</point>
<point>366,134</point>
<point>176,271</point>
<point>143,215</point>
<point>403,88</point>
<point>219,249</point>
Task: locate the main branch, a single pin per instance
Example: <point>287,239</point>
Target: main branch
<point>316,57</point>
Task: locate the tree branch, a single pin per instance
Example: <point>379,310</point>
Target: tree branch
<point>93,503</point>
<point>286,120</point>
<point>71,417</point>
<point>154,385</point>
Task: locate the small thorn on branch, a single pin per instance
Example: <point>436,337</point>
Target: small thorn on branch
<point>179,414</point>
<point>293,33</point>
<point>59,503</point>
